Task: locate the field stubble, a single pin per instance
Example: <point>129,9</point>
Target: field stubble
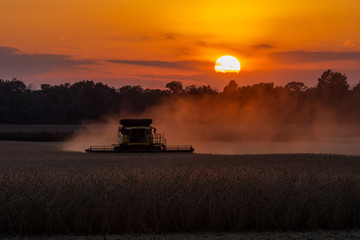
<point>47,191</point>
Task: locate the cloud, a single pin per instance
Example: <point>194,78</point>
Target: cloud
<point>349,43</point>
<point>13,63</point>
<point>303,56</point>
<point>263,46</point>
<point>201,43</point>
<point>169,36</point>
<point>182,65</point>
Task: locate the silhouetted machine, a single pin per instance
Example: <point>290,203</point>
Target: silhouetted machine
<point>136,135</point>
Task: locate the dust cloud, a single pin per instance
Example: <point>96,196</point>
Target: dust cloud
<point>93,134</point>
<point>218,126</point>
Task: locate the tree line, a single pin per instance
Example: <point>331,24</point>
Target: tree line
<point>88,101</point>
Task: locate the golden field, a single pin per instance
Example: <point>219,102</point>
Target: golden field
<point>45,190</point>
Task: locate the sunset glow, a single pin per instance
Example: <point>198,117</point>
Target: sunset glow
<point>150,43</point>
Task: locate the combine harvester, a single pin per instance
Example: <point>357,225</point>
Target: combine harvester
<point>136,135</point>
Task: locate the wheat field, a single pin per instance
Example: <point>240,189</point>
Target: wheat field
<point>318,235</point>
<point>47,191</point>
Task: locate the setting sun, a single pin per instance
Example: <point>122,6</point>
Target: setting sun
<point>227,64</point>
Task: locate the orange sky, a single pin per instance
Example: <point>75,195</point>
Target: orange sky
<point>153,42</point>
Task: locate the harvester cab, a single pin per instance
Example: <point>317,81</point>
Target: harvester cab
<point>137,135</point>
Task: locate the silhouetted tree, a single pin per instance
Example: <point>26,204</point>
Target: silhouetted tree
<point>175,87</point>
<point>356,89</point>
<point>88,100</point>
<point>332,85</point>
<point>5,116</point>
<point>231,87</point>
<point>199,91</point>
<point>132,99</point>
<point>131,89</point>
<point>296,86</point>
<point>13,85</point>
<point>45,86</point>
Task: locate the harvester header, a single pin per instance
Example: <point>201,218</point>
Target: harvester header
<point>137,135</point>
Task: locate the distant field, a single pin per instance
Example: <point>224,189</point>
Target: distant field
<point>38,133</point>
<point>47,191</point>
<point>206,138</point>
<point>27,128</point>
